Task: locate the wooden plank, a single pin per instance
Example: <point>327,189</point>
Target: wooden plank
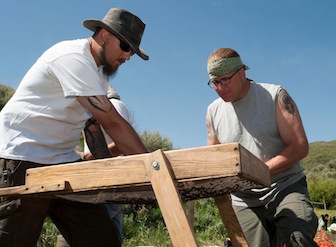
<point>183,174</point>
<point>200,172</point>
<point>143,194</point>
<point>256,169</point>
<point>230,221</point>
<point>187,164</point>
<point>35,189</point>
<point>93,174</point>
<point>191,212</point>
<point>162,179</point>
<point>210,161</point>
<point>207,161</point>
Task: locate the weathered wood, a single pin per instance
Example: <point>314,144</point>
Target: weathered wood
<point>200,172</point>
<point>185,174</point>
<point>162,179</point>
<point>35,189</point>
<point>143,194</point>
<point>230,220</point>
<point>191,212</point>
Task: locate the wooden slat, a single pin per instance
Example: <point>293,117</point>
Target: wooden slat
<point>35,189</point>
<point>204,162</point>
<point>200,172</point>
<point>183,174</point>
<point>230,221</point>
<point>253,168</point>
<point>162,180</point>
<point>191,212</point>
<point>93,174</point>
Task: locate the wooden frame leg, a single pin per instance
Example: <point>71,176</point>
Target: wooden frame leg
<point>191,212</point>
<point>162,179</point>
<point>230,221</point>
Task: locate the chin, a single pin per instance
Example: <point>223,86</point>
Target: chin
<point>110,71</point>
<point>226,99</point>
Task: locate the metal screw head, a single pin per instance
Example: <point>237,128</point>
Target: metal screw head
<point>155,165</point>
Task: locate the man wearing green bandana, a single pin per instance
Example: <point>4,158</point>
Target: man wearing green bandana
<point>264,119</point>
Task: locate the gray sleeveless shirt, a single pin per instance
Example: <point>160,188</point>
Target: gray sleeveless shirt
<point>251,121</point>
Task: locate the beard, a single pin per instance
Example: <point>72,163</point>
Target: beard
<point>108,69</point>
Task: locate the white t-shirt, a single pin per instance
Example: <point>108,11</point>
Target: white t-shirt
<point>121,108</point>
<point>43,120</point>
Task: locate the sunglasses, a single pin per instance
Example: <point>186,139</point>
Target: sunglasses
<point>125,47</point>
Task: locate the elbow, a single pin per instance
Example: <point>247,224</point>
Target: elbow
<point>304,149</point>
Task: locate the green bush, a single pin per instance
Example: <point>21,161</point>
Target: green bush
<point>144,225</point>
<point>321,189</point>
<point>48,234</point>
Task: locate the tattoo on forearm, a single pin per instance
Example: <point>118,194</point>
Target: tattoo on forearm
<point>95,140</point>
<point>288,102</point>
<point>98,148</point>
<point>95,101</point>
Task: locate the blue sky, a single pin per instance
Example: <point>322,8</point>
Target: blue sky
<point>286,42</point>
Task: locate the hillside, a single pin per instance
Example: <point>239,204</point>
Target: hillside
<point>321,161</point>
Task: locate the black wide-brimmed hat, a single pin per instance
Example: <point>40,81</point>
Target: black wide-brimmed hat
<point>124,25</point>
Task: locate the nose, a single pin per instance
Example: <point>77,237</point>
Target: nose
<point>127,55</point>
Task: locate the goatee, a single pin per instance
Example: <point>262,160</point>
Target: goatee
<point>108,69</point>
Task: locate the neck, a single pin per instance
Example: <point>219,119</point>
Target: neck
<point>94,47</point>
<point>245,88</point>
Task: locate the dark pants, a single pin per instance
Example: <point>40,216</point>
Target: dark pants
<point>288,218</point>
<point>21,219</point>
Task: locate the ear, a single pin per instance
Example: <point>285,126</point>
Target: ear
<point>242,73</point>
<point>103,34</point>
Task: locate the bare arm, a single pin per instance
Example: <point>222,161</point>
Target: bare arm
<point>95,140</point>
<point>211,137</point>
<point>112,148</point>
<point>121,132</point>
<point>292,133</point>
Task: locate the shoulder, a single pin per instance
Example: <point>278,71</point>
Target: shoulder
<point>72,56</point>
<point>78,47</point>
<point>117,102</point>
<point>76,43</point>
<point>217,102</point>
<point>267,86</point>
<point>121,108</point>
<point>218,106</point>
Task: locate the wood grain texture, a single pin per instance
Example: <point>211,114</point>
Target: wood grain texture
<point>185,174</point>
<point>230,221</point>
<point>199,172</point>
<point>162,180</point>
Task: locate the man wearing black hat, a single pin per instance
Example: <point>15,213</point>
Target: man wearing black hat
<point>42,123</point>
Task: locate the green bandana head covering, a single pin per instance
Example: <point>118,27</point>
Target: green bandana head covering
<point>220,67</point>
